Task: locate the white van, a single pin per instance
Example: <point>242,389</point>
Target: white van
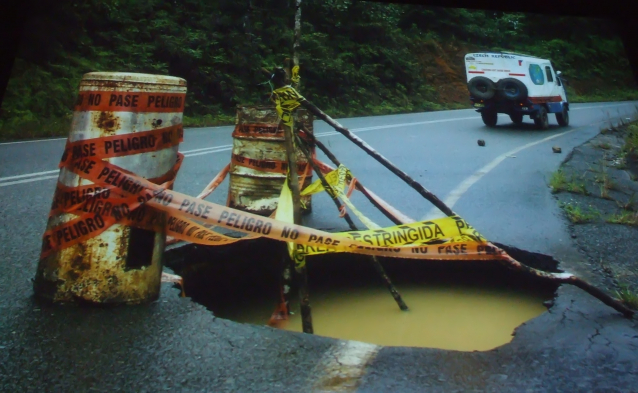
<point>517,85</point>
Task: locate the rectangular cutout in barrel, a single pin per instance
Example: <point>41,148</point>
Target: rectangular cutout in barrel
<point>140,249</point>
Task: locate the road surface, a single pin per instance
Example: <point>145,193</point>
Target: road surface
<point>500,189</point>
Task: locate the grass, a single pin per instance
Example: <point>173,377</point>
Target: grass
<point>559,182</point>
<point>622,161</point>
<point>604,145</point>
<point>208,120</point>
<point>577,215</point>
<point>628,297</point>
<point>603,177</point>
<point>604,193</point>
<point>14,129</point>
<point>624,218</point>
<point>630,148</point>
<point>629,206</point>
<point>613,95</point>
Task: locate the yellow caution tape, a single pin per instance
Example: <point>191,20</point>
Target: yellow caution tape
<point>287,99</point>
<point>295,75</point>
<point>337,181</point>
<point>439,231</point>
<point>442,239</point>
<point>285,213</point>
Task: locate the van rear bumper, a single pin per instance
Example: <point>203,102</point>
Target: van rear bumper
<point>523,108</point>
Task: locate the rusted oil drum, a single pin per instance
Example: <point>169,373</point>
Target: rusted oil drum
<point>122,264</point>
<point>259,160</point>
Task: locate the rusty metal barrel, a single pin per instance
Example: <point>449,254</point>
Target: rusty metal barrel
<point>122,264</point>
<point>259,161</point>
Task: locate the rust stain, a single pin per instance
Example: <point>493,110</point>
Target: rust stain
<point>108,122</point>
<point>91,272</point>
<point>246,191</point>
<point>156,123</point>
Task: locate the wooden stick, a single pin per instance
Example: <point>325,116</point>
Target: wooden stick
<point>282,312</point>
<point>384,161</point>
<point>565,278</point>
<point>297,41</point>
<point>375,262</point>
<point>358,186</point>
<point>293,183</point>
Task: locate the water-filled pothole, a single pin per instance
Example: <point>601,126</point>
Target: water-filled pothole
<point>453,305</point>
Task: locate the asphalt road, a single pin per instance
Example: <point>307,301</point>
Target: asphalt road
<point>498,188</point>
<point>501,189</point>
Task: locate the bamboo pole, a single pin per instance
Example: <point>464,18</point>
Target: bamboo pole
<point>358,186</point>
<point>563,278</point>
<point>302,274</point>
<point>297,40</point>
<point>279,79</point>
<point>375,261</point>
<point>374,154</point>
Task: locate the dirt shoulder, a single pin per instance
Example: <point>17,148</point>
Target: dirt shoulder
<point>597,188</point>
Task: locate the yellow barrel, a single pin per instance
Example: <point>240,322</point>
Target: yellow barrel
<point>122,264</point>
<point>259,160</point>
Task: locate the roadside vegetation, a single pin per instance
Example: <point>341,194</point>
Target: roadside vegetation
<point>630,148</point>
<point>624,218</point>
<point>578,214</point>
<point>628,297</point>
<point>624,157</point>
<point>559,182</point>
<point>357,58</point>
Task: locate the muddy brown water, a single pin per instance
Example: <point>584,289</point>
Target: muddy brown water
<point>446,317</point>
<point>453,305</point>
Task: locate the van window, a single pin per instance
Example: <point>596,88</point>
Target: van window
<point>536,73</point>
<point>549,74</point>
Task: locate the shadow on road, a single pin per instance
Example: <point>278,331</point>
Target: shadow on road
<point>523,127</point>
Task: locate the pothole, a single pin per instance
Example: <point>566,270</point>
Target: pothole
<point>455,305</point>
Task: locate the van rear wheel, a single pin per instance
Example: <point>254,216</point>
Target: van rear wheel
<point>489,118</point>
<point>563,117</point>
<point>541,119</point>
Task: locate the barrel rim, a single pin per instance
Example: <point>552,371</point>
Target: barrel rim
<point>132,77</point>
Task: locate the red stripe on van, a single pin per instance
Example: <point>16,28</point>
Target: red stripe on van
<point>541,100</point>
<point>517,74</point>
<point>476,72</point>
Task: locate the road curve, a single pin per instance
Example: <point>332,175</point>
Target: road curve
<point>501,189</point>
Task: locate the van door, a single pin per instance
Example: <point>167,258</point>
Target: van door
<point>559,89</point>
<point>554,89</point>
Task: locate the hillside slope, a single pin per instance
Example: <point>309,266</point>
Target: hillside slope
<point>357,58</point>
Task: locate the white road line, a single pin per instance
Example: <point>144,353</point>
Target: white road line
<point>342,366</point>
<point>32,141</point>
<point>29,175</point>
<point>11,183</point>
<point>206,148</point>
<point>397,125</point>
<point>218,149</point>
<point>456,194</point>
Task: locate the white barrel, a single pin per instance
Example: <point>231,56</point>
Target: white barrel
<point>122,264</point>
<point>259,160</point>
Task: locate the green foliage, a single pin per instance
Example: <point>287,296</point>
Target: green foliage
<point>630,148</point>
<point>578,215</point>
<point>559,182</point>
<point>628,297</point>
<point>624,218</point>
<point>357,58</point>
